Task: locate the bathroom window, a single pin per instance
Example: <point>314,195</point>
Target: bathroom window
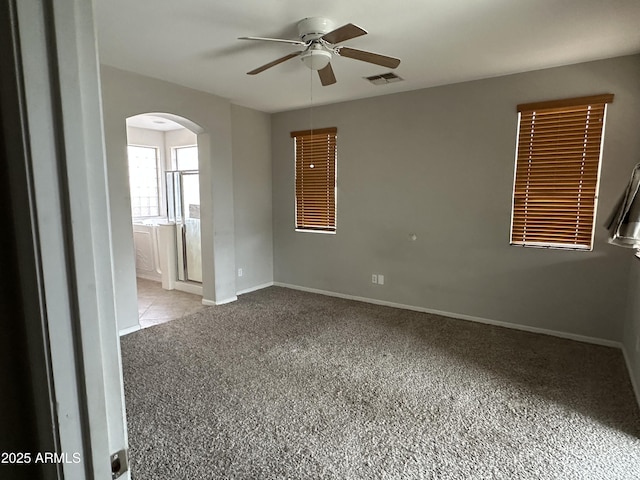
<point>186,157</point>
<point>144,181</point>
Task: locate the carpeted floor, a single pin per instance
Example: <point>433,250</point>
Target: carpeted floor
<point>284,384</point>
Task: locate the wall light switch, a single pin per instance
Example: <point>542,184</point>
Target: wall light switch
<point>380,279</point>
<point>239,272</point>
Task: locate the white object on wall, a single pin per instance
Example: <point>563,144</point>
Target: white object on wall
<point>145,240</point>
<point>167,255</point>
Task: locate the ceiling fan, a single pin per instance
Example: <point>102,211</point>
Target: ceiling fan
<point>320,42</point>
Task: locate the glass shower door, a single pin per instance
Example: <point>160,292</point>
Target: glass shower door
<point>192,250</point>
<point>183,207</point>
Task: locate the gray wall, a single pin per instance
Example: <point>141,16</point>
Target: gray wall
<point>251,140</point>
<point>631,343</point>
<point>126,94</point>
<point>439,163</point>
<point>178,138</point>
<point>144,136</point>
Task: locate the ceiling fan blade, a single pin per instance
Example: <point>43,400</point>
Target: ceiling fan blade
<point>273,64</point>
<point>376,58</point>
<point>327,77</point>
<point>281,40</point>
<point>346,32</point>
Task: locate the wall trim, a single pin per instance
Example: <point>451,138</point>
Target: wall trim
<point>211,303</point>
<point>127,331</point>
<point>227,300</point>
<point>188,287</point>
<point>632,377</point>
<point>148,276</point>
<point>461,316</point>
<point>253,289</point>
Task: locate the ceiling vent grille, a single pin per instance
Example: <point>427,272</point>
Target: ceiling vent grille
<point>384,78</point>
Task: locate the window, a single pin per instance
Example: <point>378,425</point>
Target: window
<point>143,181</point>
<point>556,175</point>
<point>315,152</point>
<point>186,157</point>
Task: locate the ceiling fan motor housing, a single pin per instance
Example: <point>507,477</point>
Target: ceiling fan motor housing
<point>313,28</point>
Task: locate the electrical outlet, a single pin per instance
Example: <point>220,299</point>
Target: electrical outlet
<point>380,279</point>
<point>240,272</point>
<point>374,278</point>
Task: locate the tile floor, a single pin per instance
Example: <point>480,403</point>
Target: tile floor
<point>156,305</point>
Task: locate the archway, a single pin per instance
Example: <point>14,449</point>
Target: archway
<point>165,213</point>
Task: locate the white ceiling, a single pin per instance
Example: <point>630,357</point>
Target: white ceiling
<point>194,42</point>
<point>153,122</point>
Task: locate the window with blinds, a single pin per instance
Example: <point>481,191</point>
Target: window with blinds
<point>556,174</point>
<point>315,154</point>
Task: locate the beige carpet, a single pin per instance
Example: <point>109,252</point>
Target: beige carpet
<point>289,385</point>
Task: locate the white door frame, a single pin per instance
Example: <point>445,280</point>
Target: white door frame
<point>61,93</point>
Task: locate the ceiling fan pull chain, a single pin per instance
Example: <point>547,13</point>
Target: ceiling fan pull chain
<point>311,101</point>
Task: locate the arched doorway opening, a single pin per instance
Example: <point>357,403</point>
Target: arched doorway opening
<point>162,153</point>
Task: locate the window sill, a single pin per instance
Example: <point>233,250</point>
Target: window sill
<point>554,246</point>
<point>309,230</point>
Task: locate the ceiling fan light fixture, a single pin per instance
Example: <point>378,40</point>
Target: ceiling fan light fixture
<point>316,58</point>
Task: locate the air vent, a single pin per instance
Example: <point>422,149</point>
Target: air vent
<point>384,78</point>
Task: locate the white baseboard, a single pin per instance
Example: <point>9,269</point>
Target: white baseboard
<point>188,288</point>
<point>461,316</point>
<point>634,384</point>
<point>149,276</point>
<point>227,300</point>
<point>253,289</point>
<point>212,303</point>
<point>129,330</point>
